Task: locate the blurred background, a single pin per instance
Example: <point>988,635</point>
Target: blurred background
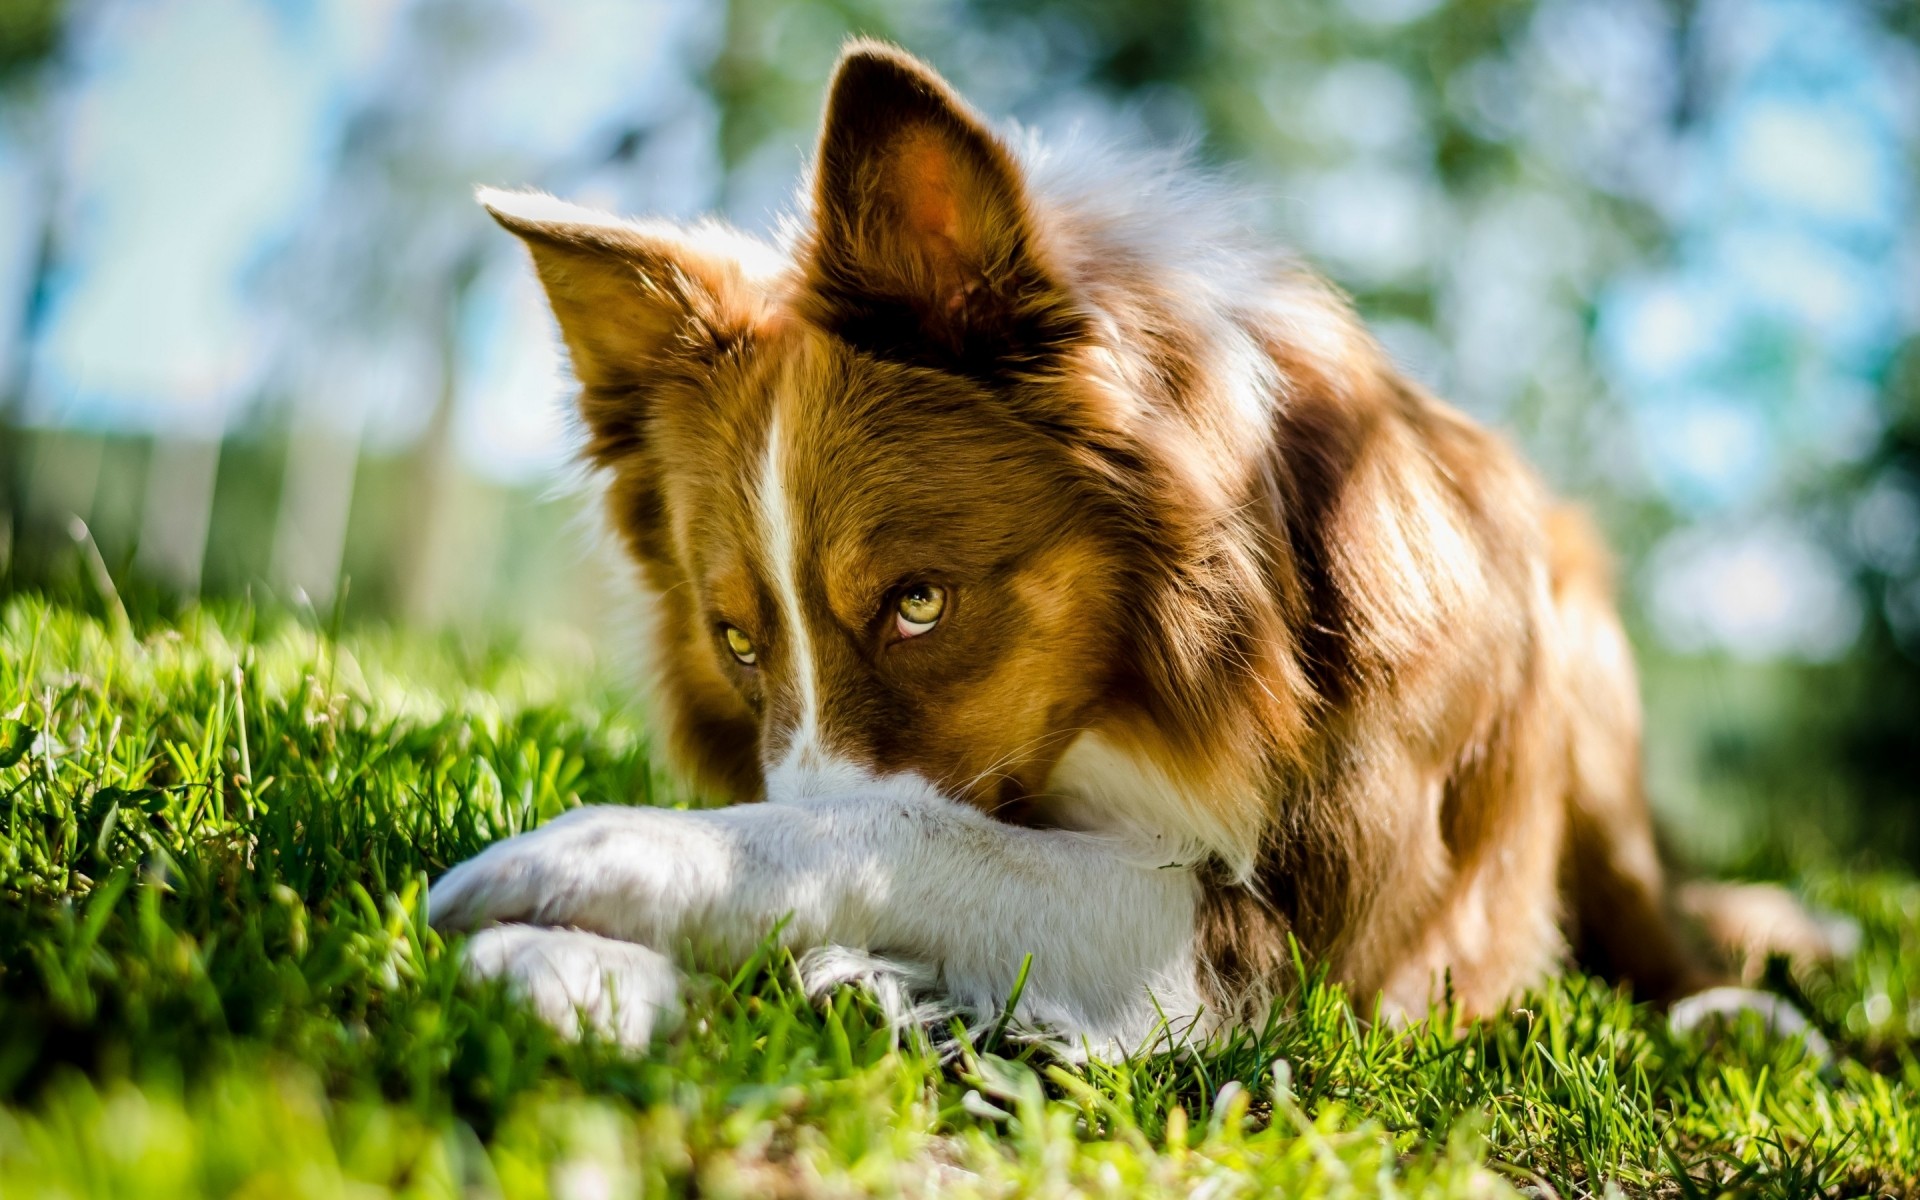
<point>256,339</point>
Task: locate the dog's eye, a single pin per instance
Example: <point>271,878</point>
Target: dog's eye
<point>742,646</point>
<point>919,609</point>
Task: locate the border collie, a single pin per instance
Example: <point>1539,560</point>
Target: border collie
<point>1049,569</point>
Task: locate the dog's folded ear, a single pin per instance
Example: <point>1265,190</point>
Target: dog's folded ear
<point>637,301</point>
<point>923,232</point>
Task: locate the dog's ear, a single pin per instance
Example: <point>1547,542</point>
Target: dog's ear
<point>637,302</point>
<point>922,228</point>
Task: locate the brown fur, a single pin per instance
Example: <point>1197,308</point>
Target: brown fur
<point>1374,666</point>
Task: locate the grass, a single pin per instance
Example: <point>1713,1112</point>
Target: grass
<point>216,979</point>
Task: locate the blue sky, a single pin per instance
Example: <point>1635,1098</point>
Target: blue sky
<point>1795,224</point>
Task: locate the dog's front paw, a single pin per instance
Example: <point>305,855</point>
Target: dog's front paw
<point>589,867</point>
<point>505,882</point>
<point>908,993</point>
<point>623,992</point>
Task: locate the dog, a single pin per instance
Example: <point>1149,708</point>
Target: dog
<point>1069,590</point>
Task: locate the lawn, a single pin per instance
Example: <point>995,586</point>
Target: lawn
<point>216,978</point>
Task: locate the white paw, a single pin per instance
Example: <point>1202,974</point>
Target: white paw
<point>1691,1015</point>
<point>533,877</point>
<point>908,993</point>
<point>614,870</point>
<point>623,992</point>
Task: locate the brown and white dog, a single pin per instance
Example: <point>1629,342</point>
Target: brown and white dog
<point>1070,576</point>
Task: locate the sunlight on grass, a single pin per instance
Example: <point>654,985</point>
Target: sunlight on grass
<point>216,978</point>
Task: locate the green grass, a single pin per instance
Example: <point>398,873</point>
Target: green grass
<point>216,978</point>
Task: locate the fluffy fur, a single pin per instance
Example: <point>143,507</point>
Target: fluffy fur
<point>1246,636</point>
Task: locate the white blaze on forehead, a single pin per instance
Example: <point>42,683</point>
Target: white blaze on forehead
<point>780,538</point>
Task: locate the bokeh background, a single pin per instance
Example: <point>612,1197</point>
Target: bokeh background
<point>257,342</point>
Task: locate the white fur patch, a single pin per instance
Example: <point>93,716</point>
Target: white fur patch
<point>780,540</point>
<point>908,993</point>
<point>1103,787</point>
<point>887,869</point>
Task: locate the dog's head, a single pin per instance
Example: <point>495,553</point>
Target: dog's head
<point>890,484</point>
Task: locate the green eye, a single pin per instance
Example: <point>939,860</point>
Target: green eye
<point>742,646</point>
<point>920,609</point>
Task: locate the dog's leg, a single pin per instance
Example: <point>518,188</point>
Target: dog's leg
<point>1630,919</point>
<point>1623,911</point>
<point>1748,923</point>
<point>889,866</point>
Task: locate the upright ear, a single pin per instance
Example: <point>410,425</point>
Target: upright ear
<point>923,236</point>
<point>637,302</point>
